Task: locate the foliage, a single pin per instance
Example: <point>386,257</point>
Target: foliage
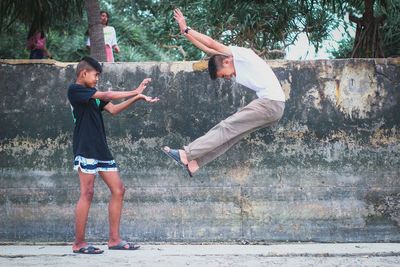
<point>60,19</point>
<point>263,25</point>
<point>390,9</point>
<point>13,41</point>
<point>66,40</point>
<point>344,49</point>
<point>38,14</point>
<point>391,30</point>
<point>146,29</point>
<point>135,42</point>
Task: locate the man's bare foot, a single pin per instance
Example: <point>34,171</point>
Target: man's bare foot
<point>183,156</point>
<point>180,156</point>
<point>193,166</point>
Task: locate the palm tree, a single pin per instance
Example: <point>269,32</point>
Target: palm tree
<point>95,30</point>
<point>41,14</point>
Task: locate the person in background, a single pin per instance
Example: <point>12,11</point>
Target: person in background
<point>36,43</point>
<point>110,37</point>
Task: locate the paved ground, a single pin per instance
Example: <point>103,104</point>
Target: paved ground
<point>357,254</point>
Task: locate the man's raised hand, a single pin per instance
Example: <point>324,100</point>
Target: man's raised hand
<point>178,16</point>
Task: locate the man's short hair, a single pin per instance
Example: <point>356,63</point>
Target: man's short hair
<point>215,64</point>
<point>88,63</point>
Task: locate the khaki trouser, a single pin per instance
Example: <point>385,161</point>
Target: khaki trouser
<point>257,114</point>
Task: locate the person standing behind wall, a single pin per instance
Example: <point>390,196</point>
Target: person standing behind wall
<point>110,37</point>
<point>36,43</point>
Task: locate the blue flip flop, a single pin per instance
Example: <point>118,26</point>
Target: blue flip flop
<point>174,154</point>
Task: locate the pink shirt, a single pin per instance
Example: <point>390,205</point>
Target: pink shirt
<point>36,42</point>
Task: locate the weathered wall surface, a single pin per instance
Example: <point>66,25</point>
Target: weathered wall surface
<point>328,172</point>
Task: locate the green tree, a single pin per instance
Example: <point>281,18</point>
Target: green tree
<point>264,25</point>
<point>18,17</point>
<point>135,38</point>
<point>67,40</point>
<point>38,14</point>
<point>52,16</point>
<point>12,42</point>
<point>391,29</point>
<point>368,39</point>
<point>146,30</point>
<point>377,35</point>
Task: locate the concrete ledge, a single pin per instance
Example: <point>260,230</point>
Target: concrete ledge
<point>36,61</point>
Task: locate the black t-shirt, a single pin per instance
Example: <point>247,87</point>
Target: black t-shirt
<point>89,134</point>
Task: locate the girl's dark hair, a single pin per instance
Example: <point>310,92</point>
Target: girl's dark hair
<point>108,15</point>
<point>32,32</point>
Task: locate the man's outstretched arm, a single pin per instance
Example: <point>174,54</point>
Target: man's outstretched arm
<point>201,41</point>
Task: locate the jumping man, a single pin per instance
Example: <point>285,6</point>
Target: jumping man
<point>249,70</point>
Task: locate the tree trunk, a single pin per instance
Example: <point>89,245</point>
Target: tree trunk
<point>367,43</point>
<point>97,48</point>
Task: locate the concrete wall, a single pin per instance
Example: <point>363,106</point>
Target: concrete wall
<point>329,172</point>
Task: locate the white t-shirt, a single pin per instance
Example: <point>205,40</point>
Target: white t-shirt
<point>110,38</point>
<point>256,74</point>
